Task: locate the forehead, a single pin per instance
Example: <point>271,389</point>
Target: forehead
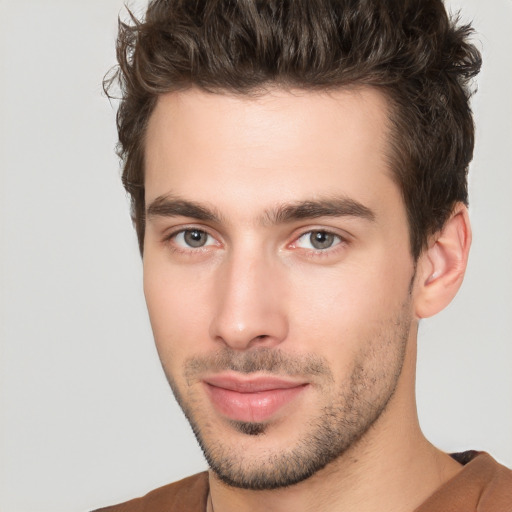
<point>279,146</point>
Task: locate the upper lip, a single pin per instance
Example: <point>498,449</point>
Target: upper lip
<point>251,384</point>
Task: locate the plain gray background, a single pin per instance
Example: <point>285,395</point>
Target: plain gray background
<point>87,418</point>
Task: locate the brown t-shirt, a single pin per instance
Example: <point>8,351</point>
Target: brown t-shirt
<point>483,485</point>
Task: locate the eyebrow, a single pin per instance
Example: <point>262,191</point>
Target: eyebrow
<point>332,207</point>
<point>171,206</point>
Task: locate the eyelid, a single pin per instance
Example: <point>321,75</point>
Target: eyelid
<point>171,235</point>
<point>343,237</point>
<point>309,234</point>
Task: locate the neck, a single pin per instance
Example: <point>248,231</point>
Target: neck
<point>388,481</point>
<point>393,468</point>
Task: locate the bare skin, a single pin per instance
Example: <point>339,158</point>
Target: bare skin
<point>395,470</point>
<point>277,256</point>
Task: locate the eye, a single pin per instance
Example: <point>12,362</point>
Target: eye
<point>318,240</point>
<point>193,238</point>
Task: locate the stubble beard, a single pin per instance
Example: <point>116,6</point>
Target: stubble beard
<point>358,404</point>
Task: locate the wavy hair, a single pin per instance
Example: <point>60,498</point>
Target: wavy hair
<point>419,57</point>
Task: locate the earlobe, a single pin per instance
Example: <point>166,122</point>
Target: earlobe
<point>441,267</point>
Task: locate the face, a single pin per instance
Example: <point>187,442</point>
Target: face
<point>277,273</point>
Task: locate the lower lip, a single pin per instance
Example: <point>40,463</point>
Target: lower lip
<point>253,407</point>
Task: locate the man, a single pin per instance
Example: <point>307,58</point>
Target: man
<point>298,181</point>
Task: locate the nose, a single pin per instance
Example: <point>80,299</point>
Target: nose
<point>250,303</point>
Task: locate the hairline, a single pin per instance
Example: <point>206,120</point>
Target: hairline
<point>391,153</point>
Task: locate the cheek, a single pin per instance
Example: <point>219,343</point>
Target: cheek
<point>342,306</point>
<point>178,310</point>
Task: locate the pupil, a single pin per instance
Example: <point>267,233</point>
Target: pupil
<point>195,238</point>
<point>321,239</point>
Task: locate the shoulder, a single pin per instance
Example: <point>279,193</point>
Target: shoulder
<point>482,484</point>
<point>187,495</point>
<point>481,467</point>
<point>497,492</point>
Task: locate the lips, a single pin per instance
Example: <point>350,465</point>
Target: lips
<point>254,399</point>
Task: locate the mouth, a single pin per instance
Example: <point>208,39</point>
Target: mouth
<point>251,399</point>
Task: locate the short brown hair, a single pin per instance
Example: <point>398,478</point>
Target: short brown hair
<point>410,49</point>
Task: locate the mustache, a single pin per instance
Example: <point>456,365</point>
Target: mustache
<point>266,360</point>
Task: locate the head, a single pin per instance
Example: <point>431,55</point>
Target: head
<point>298,179</point>
<point>410,50</point>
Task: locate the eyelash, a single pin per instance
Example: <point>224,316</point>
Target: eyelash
<point>168,240</point>
<point>340,242</point>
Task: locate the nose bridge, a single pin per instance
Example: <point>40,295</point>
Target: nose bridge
<point>250,302</point>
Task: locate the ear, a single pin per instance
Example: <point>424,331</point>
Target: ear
<point>441,267</point>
